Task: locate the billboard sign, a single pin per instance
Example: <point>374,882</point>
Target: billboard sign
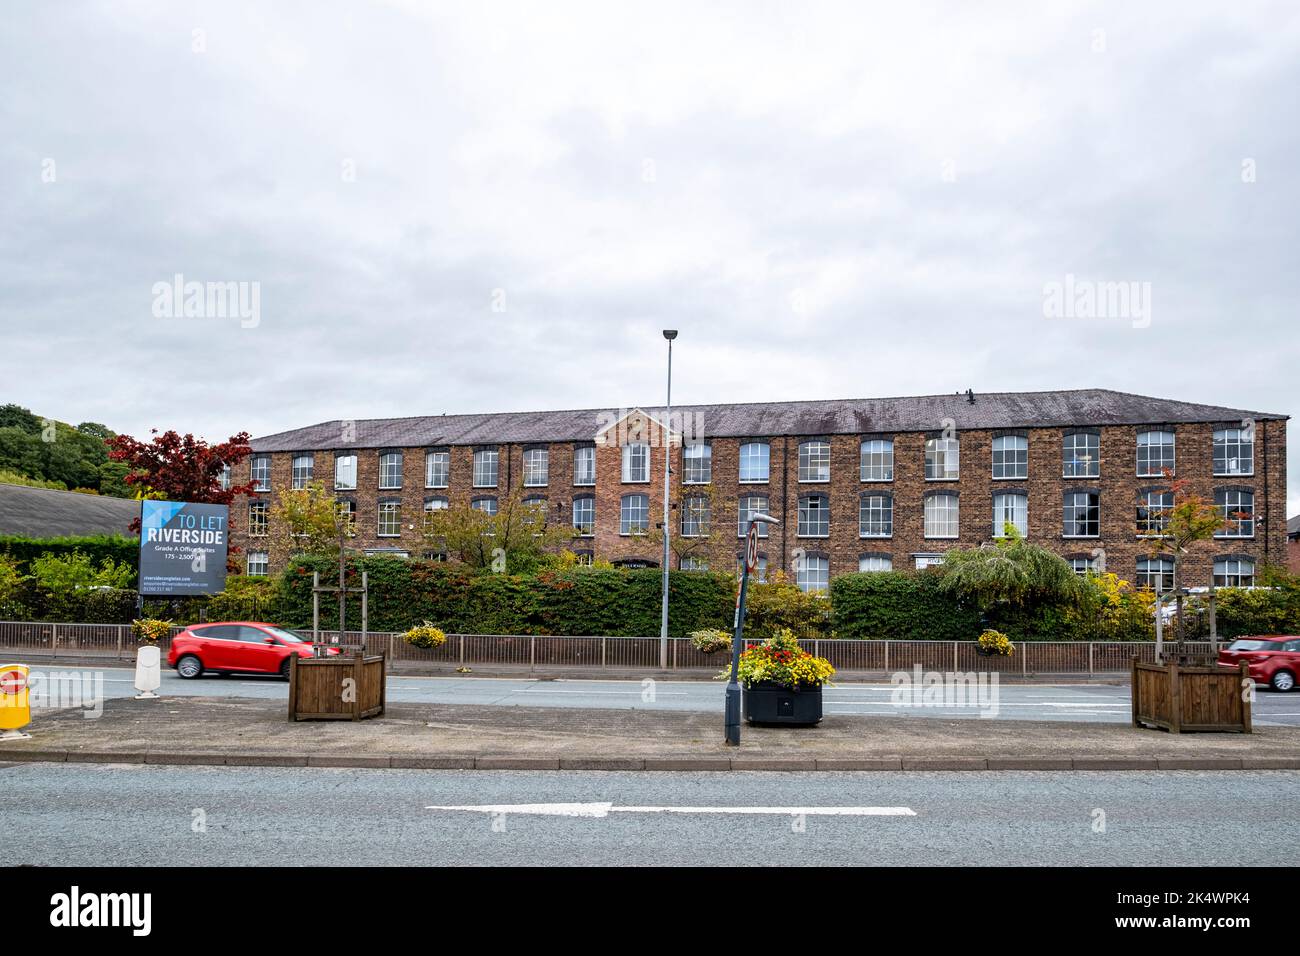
<point>183,548</point>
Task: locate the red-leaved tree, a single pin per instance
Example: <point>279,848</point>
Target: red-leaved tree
<point>181,468</point>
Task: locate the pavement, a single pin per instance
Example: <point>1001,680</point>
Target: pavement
<point>230,731</point>
<point>1065,701</point>
<point>118,815</point>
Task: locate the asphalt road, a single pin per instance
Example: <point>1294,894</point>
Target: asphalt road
<point>89,815</point>
<point>1070,702</point>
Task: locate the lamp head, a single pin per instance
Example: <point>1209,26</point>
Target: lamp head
<point>670,334</point>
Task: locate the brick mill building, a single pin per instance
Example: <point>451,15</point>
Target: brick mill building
<point>867,484</point>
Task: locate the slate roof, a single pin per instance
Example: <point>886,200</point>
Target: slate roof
<point>1094,406</point>
<point>1293,526</point>
<point>44,513</point>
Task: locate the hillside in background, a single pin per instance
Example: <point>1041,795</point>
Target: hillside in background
<point>52,454</point>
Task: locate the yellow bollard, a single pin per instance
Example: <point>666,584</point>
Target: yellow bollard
<point>15,706</point>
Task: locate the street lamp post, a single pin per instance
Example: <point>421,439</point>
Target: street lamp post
<point>731,710</point>
<point>669,334</point>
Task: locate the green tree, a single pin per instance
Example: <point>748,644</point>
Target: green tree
<point>307,521</point>
<point>1009,572</point>
<point>513,540</point>
<point>61,573</point>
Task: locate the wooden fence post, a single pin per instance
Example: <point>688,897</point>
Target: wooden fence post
<point>1175,700</point>
<point>1133,689</point>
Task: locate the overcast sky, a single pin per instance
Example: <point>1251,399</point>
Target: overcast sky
<point>489,207</point>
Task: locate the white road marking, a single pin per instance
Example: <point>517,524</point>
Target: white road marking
<point>595,693</point>
<point>601,810</point>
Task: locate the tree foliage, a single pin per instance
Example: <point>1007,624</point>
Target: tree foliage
<point>1011,571</point>
<point>514,540</point>
<point>181,467</point>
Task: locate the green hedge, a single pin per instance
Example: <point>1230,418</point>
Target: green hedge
<point>98,547</point>
<point>576,601</point>
<point>899,605</point>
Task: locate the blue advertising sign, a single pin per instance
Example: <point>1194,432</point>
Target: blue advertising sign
<point>183,548</point>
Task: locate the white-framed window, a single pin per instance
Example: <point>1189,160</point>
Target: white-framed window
<point>303,466</point>
<point>487,505</point>
<point>1082,514</point>
<point>259,472</point>
<point>390,470</point>
<point>1011,456</point>
<point>257,515</point>
<point>634,514</point>
<point>941,516</point>
<point>1011,509</point>
<point>1153,507</point>
<point>875,562</point>
<point>437,469</point>
<point>1081,455</point>
<point>389,524</point>
<point>751,505</point>
<point>584,558</point>
<point>942,459</point>
<point>1081,565</point>
<point>537,467</point>
<point>1234,451</point>
<point>815,461</point>
<point>755,462</point>
<point>259,564</point>
<point>538,506</point>
<point>814,516</point>
<point>1234,573</point>
<point>1155,573</point>
<point>345,472</point>
<point>876,460</point>
<point>436,503</point>
<point>695,516</point>
<point>1237,505</point>
<point>584,465</point>
<point>486,462</point>
<point>813,573</point>
<point>584,516</point>
<point>876,516</point>
<point>636,462</point>
<point>697,464</point>
<point>1155,453</point>
<point>223,478</point>
<point>692,563</point>
<point>923,561</point>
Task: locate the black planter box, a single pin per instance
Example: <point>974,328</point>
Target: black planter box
<point>768,703</point>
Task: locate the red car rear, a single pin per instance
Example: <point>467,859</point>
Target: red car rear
<point>1273,659</point>
<point>237,647</point>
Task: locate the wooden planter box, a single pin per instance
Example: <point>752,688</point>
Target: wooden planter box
<point>317,690</point>
<point>1190,699</point>
<point>768,703</point>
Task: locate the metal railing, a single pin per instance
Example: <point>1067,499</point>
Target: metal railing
<point>115,642</point>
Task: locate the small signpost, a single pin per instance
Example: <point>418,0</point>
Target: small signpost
<point>731,716</point>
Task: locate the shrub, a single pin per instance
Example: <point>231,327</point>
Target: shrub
<point>995,642</point>
<point>425,635</point>
<point>778,603</point>
<point>150,630</point>
<point>119,548</point>
<point>710,640</point>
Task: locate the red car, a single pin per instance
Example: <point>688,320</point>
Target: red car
<point>237,647</point>
<point>1273,659</point>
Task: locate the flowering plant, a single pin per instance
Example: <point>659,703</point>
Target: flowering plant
<point>780,660</point>
<point>710,641</point>
<point>995,642</point>
<point>149,630</point>
<point>425,635</point>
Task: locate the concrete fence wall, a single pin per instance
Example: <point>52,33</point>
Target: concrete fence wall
<point>115,643</point>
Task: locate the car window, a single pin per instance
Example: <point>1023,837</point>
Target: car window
<point>218,632</point>
<point>1250,645</point>
<point>287,636</point>
<point>1292,645</point>
<point>252,635</point>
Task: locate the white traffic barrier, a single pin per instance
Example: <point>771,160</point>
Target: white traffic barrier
<point>148,672</point>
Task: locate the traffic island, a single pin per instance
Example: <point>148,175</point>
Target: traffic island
<point>245,732</point>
